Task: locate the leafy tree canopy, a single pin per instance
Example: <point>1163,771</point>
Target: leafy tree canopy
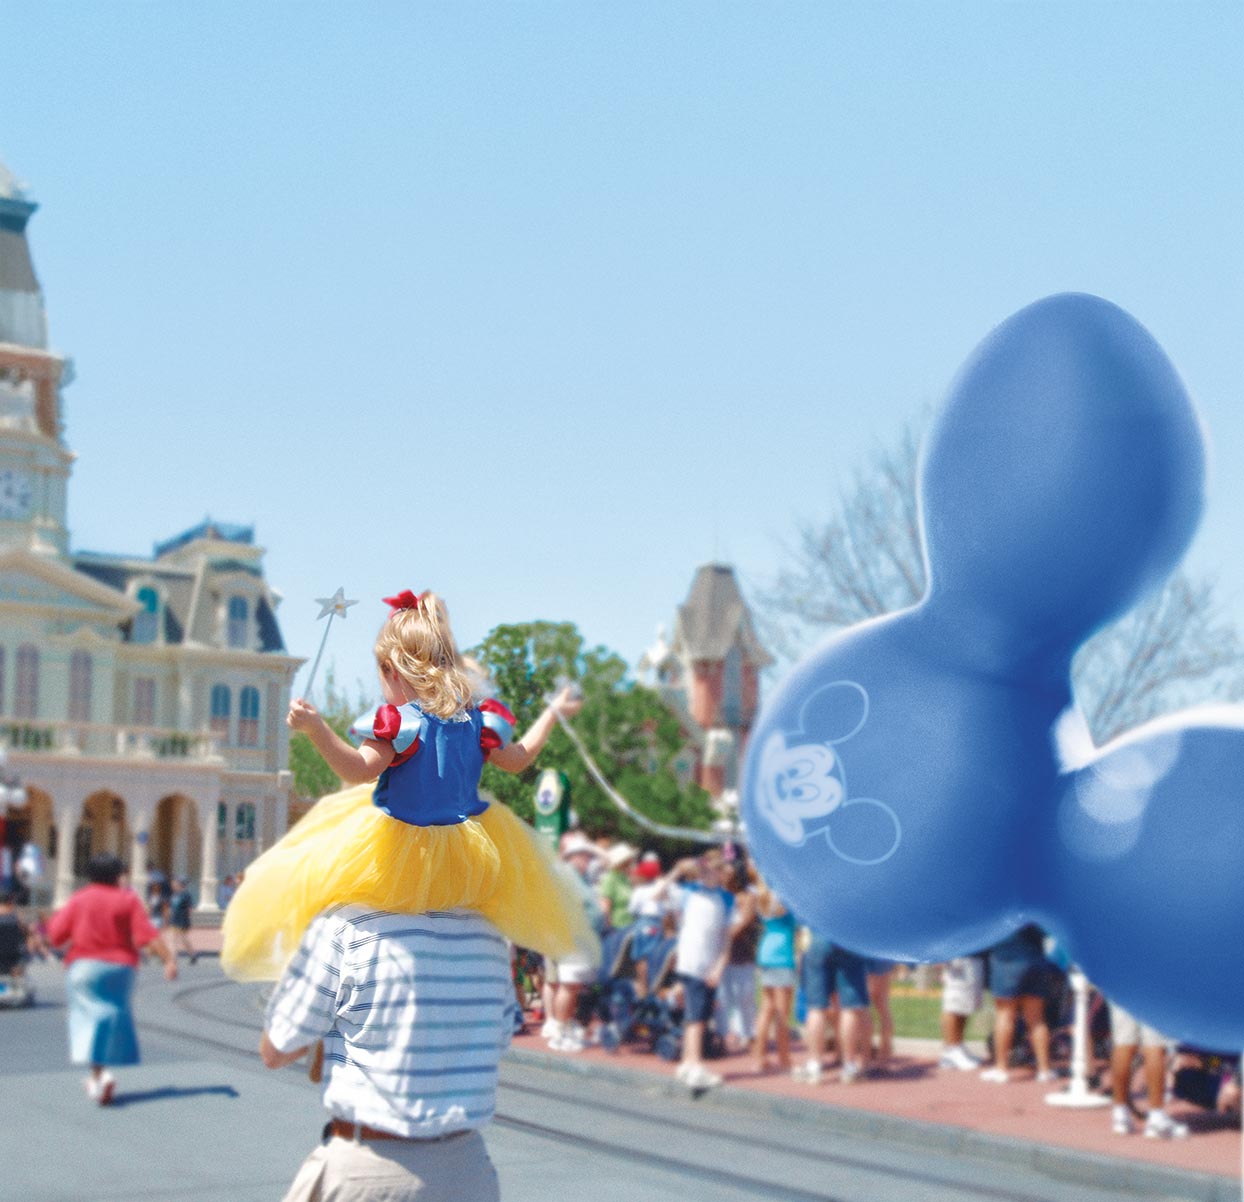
<point>629,731</point>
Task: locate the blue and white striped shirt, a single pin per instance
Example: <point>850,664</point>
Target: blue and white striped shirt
<point>414,1010</point>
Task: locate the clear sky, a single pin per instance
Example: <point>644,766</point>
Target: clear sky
<point>543,305</point>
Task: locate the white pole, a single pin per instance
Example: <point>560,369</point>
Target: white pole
<point>1077,1094</point>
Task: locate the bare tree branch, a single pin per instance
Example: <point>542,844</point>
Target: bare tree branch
<point>1174,648</point>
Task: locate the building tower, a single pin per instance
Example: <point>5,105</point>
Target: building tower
<point>34,462</point>
<point>710,674</point>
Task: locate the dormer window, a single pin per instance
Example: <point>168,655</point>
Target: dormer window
<point>146,626</point>
<point>238,630</point>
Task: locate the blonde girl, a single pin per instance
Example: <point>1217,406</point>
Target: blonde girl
<point>421,838</point>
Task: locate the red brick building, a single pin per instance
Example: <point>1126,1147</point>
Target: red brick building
<point>709,674</point>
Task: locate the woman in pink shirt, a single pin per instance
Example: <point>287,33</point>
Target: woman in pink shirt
<point>105,926</point>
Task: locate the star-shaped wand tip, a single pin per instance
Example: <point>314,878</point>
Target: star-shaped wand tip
<point>335,605</point>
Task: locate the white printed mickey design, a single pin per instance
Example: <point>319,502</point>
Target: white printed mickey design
<point>802,783</point>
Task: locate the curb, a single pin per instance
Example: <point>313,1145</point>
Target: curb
<point>1128,1177</point>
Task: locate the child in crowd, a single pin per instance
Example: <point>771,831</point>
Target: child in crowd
<point>701,956</point>
<point>421,838</point>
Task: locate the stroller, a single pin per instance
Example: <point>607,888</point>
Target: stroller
<point>15,988</point>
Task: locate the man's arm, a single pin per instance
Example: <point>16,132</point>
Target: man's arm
<point>274,1059</point>
<point>304,1003</point>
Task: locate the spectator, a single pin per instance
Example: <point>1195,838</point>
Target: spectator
<point>735,1014</point>
<point>372,986</point>
<point>828,970</point>
<point>880,973</point>
<point>963,990</point>
<point>701,957</point>
<point>177,911</point>
<point>1127,1034</point>
<point>1019,978</point>
<point>14,937</point>
<point>225,891</point>
<point>648,904</point>
<point>775,958</point>
<point>568,976</point>
<point>614,887</point>
<point>106,928</point>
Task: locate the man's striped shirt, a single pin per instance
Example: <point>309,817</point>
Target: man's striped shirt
<point>414,1010</point>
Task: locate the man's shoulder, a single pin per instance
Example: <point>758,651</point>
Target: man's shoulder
<point>358,920</point>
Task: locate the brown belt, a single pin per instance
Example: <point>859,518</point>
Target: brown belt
<point>348,1130</point>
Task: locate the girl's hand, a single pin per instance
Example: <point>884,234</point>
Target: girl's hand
<point>302,715</point>
<point>568,702</point>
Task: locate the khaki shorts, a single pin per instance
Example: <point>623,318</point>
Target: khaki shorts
<point>456,1169</point>
<point>573,970</point>
<point>963,986</point>
<point>1129,1032</point>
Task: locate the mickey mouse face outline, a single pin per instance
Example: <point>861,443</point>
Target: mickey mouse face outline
<point>1063,478</point>
<point>802,783</point>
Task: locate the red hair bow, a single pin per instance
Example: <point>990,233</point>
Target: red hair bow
<point>404,600</point>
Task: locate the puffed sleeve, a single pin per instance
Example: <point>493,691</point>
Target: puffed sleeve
<point>497,729</point>
<point>400,725</point>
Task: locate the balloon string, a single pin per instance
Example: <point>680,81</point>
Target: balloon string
<point>668,832</point>
<point>318,655</point>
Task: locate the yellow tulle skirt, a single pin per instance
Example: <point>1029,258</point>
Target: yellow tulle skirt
<point>347,850</point>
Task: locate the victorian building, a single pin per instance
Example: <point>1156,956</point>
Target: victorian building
<point>142,698</point>
<point>709,675</point>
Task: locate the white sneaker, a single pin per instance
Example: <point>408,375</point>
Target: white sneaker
<point>851,1072</point>
<point>683,1069</point>
<point>958,1057</point>
<point>1121,1121</point>
<point>809,1073</point>
<point>92,1085</point>
<point>1048,1075</point>
<point>698,1077</point>
<point>551,1029</point>
<point>999,1076</point>
<point>1160,1125</point>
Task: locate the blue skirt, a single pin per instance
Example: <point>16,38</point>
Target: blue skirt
<point>101,1026</point>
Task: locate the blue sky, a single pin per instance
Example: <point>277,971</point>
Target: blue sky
<point>543,305</point>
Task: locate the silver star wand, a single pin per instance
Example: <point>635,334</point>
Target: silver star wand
<point>330,608</point>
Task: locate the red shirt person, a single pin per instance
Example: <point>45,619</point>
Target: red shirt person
<point>105,927</point>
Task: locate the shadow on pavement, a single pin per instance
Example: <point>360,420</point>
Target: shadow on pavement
<point>171,1092</point>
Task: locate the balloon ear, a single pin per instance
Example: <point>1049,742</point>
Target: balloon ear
<point>864,831</point>
<point>834,712</point>
<point>1065,475</point>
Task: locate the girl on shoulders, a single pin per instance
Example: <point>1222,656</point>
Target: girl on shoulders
<point>421,838</point>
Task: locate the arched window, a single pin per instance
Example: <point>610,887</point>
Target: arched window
<point>146,625</point>
<point>80,687</point>
<point>732,688</point>
<point>26,696</point>
<point>222,705</point>
<point>239,622</point>
<point>244,822</point>
<point>248,717</point>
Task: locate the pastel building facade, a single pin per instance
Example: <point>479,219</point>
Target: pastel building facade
<point>142,698</point>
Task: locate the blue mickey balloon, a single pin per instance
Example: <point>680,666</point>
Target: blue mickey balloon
<point>916,789</point>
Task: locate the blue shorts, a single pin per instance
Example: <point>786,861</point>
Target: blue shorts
<point>698,999</point>
<point>1019,977</point>
<point>827,970</point>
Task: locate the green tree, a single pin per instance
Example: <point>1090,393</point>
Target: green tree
<point>629,731</point>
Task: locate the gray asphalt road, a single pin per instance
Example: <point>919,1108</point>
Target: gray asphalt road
<point>201,1119</point>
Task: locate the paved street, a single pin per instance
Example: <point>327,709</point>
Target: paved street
<point>202,1120</point>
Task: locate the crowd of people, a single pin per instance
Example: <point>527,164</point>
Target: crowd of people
<point>745,973</point>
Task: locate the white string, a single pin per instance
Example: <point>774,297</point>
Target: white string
<point>306,692</point>
<point>668,832</point>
